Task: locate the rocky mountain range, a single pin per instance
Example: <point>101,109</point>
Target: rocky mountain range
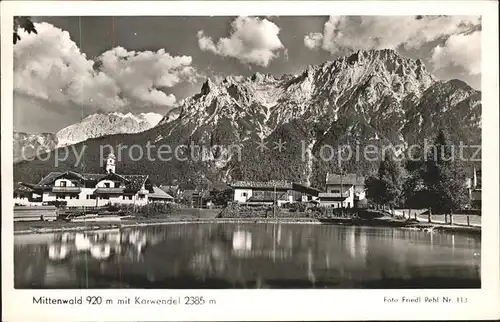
<point>269,128</point>
<point>26,145</point>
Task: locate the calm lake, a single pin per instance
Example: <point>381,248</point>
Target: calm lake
<point>248,256</point>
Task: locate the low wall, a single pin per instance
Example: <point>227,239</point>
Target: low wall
<point>239,211</point>
<point>27,213</point>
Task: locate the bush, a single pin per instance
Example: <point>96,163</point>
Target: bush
<point>57,203</point>
<point>363,204</point>
<point>295,206</point>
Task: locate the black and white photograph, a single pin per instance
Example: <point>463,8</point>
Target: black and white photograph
<point>203,152</point>
<point>349,158</point>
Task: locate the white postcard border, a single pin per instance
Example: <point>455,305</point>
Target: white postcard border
<point>267,304</point>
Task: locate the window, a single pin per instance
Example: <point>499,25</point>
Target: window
<point>104,197</point>
<point>141,196</point>
<point>243,194</point>
<point>335,191</point>
<point>62,183</point>
<point>128,197</point>
<point>117,184</point>
<point>106,184</point>
<point>60,197</point>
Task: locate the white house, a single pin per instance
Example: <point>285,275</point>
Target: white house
<point>281,192</point>
<point>262,192</point>
<point>94,189</point>
<point>343,190</point>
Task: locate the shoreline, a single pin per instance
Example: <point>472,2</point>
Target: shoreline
<point>38,227</point>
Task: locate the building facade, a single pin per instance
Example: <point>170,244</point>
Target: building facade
<point>343,190</point>
<point>473,184</point>
<point>93,189</point>
<point>279,192</point>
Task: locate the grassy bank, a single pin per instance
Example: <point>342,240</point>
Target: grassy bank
<point>138,220</point>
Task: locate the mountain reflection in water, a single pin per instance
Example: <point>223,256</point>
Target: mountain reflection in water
<point>247,256</point>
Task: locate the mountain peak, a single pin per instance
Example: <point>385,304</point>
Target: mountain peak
<point>208,86</point>
<point>364,96</point>
<point>100,124</point>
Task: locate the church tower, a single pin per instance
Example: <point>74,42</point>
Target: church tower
<point>110,163</point>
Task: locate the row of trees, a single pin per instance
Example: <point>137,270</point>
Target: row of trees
<point>436,182</point>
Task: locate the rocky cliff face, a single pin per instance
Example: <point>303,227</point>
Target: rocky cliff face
<point>370,97</point>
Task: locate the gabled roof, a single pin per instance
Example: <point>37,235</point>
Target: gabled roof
<point>133,182</point>
<point>305,189</point>
<point>112,176</point>
<point>94,176</point>
<point>346,178</point>
<point>48,179</point>
<point>51,177</point>
<point>160,194</point>
<point>263,185</point>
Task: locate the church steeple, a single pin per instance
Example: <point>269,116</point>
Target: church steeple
<point>110,163</point>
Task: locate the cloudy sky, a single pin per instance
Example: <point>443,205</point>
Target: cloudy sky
<point>77,66</point>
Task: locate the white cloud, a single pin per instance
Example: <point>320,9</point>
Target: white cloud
<point>252,41</point>
<point>380,32</point>
<point>462,50</point>
<point>50,66</point>
<point>313,40</point>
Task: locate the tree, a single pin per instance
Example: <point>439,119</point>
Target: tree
<point>23,23</point>
<point>221,197</point>
<point>386,188</point>
<point>414,194</point>
<point>444,178</point>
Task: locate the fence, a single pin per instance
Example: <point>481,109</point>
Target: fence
<point>44,213</point>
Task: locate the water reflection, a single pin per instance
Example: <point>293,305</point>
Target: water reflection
<point>247,256</point>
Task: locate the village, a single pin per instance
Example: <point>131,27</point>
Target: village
<point>112,197</point>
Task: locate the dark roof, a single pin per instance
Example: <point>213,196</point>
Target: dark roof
<point>347,178</point>
<point>113,175</point>
<point>262,185</point>
<point>51,177</point>
<point>133,181</point>
<point>94,176</point>
<point>305,189</point>
<point>20,187</point>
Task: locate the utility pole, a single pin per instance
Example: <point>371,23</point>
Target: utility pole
<point>341,188</point>
<point>274,202</point>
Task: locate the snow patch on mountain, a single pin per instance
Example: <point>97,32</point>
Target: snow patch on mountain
<point>97,125</point>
